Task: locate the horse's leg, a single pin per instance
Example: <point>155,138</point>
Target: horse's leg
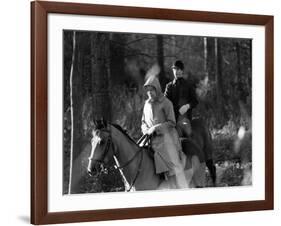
<point>171,183</point>
<point>188,176</point>
<point>181,181</point>
<point>163,185</point>
<point>198,178</point>
<point>208,149</point>
<point>174,182</point>
<point>212,169</point>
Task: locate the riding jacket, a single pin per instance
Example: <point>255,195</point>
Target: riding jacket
<point>167,149</point>
<point>180,92</point>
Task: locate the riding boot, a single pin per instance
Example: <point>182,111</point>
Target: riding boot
<point>212,169</point>
<point>163,176</point>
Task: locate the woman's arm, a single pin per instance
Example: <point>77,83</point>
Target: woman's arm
<point>144,126</point>
<point>170,121</point>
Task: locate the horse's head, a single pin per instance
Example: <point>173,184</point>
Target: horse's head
<point>101,152</point>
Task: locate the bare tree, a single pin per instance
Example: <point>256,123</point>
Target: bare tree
<point>205,41</point>
<point>219,80</point>
<point>75,109</point>
<point>117,57</point>
<point>160,60</point>
<point>100,75</point>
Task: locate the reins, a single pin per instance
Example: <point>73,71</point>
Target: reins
<point>144,138</point>
<point>138,170</point>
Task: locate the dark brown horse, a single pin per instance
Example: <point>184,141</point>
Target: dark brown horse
<point>135,163</point>
<point>201,144</point>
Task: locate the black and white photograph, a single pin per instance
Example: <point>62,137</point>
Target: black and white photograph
<point>128,112</point>
<point>145,112</point>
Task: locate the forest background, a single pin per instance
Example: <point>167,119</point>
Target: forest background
<point>104,75</point>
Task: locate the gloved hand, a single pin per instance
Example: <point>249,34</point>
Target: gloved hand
<point>184,109</point>
<point>151,130</point>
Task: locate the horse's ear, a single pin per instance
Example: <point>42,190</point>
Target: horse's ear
<point>94,124</point>
<point>95,120</point>
<point>104,123</point>
<point>99,123</point>
<point>94,132</point>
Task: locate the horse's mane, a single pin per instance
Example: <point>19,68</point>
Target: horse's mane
<point>100,124</point>
<point>118,127</point>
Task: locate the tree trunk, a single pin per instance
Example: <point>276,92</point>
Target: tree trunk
<point>238,69</point>
<point>241,82</point>
<point>76,119</point>
<point>211,58</point>
<point>100,75</point>
<point>242,88</point>
<point>117,58</point>
<point>249,80</point>
<point>219,83</point>
<point>86,75</point>
<point>160,60</point>
<point>205,41</point>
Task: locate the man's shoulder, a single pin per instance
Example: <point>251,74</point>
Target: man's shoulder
<point>191,83</point>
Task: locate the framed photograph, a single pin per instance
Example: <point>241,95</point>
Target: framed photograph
<point>148,112</point>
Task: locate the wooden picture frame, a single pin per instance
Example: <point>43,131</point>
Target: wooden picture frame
<point>39,112</point>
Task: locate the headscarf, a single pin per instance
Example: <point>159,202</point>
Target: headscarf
<point>154,82</point>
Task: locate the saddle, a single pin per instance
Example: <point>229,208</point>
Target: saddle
<point>188,145</point>
<point>145,143</point>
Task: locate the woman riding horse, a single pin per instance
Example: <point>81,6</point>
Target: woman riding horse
<point>158,119</point>
<point>135,164</point>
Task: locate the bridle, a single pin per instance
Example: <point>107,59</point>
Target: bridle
<point>108,143</point>
<point>115,154</point>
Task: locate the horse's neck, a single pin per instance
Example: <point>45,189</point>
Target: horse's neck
<point>126,150</point>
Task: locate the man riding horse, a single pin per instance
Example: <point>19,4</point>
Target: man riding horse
<point>181,92</point>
